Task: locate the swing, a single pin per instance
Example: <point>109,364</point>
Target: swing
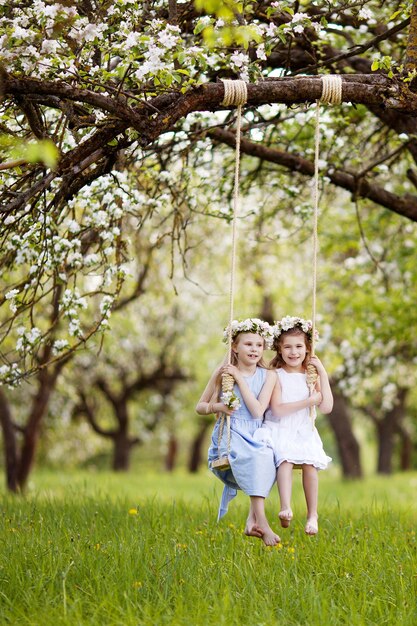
<point>235,93</point>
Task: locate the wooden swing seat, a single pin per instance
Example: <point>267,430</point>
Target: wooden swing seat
<point>220,464</point>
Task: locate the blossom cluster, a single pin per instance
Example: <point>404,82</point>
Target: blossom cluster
<point>230,399</point>
<point>288,323</point>
<point>249,325</point>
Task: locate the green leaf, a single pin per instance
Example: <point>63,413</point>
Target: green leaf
<point>199,27</point>
<point>43,151</point>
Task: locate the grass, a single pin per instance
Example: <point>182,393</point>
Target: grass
<point>87,549</point>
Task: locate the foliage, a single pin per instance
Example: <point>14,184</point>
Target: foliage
<point>100,81</point>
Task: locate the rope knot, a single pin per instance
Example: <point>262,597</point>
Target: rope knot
<point>235,92</point>
<point>331,89</point>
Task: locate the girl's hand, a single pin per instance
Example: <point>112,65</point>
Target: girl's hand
<point>232,370</point>
<point>314,360</point>
<point>316,398</point>
<point>225,409</point>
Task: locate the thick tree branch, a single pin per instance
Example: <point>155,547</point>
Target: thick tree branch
<point>403,205</point>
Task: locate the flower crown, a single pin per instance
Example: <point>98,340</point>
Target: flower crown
<point>288,323</point>
<point>250,325</point>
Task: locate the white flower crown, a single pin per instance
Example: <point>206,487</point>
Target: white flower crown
<point>250,325</point>
<point>288,322</point>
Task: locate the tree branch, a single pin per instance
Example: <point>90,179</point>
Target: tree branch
<point>403,205</point>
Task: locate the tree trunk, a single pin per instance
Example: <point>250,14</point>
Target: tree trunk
<point>386,429</point>
<point>196,454</point>
<point>10,444</point>
<point>347,444</point>
<point>121,452</point>
<point>121,441</point>
<point>172,452</point>
<point>31,432</point>
<point>411,53</point>
<point>406,451</point>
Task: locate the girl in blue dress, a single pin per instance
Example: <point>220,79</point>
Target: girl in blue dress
<point>252,467</point>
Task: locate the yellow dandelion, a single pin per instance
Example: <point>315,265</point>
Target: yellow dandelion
<point>133,511</point>
<point>137,584</point>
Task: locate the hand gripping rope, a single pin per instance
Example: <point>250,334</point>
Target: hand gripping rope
<point>235,93</point>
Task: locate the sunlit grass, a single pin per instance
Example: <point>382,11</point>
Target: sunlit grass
<point>85,549</point>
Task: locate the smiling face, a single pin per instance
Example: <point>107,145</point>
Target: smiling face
<point>293,349</point>
<point>248,348</point>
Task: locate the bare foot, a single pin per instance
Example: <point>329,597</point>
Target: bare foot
<point>269,537</point>
<point>312,527</point>
<point>253,530</point>
<point>265,532</point>
<point>285,517</point>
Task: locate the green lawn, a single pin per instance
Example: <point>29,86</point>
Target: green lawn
<point>88,548</point>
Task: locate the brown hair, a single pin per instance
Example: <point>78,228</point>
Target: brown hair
<point>278,361</point>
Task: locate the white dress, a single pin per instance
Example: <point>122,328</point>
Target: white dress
<point>293,437</point>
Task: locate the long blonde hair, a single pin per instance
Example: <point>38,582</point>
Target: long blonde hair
<point>234,361</point>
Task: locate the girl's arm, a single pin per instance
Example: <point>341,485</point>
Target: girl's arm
<point>326,405</point>
<point>208,402</point>
<point>256,406</point>
<point>281,409</point>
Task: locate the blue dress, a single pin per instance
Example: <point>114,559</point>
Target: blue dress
<point>252,467</point>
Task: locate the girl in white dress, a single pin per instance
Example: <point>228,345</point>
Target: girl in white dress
<point>292,432</point>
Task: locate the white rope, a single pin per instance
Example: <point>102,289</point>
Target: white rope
<point>315,222</point>
<point>331,94</point>
<point>331,89</point>
<point>235,93</point>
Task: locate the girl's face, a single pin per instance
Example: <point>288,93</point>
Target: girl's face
<point>293,350</point>
<point>248,348</point>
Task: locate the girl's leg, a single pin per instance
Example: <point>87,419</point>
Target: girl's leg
<point>257,524</point>
<point>311,490</point>
<point>251,528</point>
<point>284,483</point>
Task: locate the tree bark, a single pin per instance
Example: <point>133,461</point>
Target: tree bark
<point>411,56</point>
<point>10,444</point>
<point>172,452</point>
<point>46,385</point>
<point>121,452</point>
<point>406,450</point>
<point>347,444</point>
<point>386,430</point>
<point>195,459</point>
